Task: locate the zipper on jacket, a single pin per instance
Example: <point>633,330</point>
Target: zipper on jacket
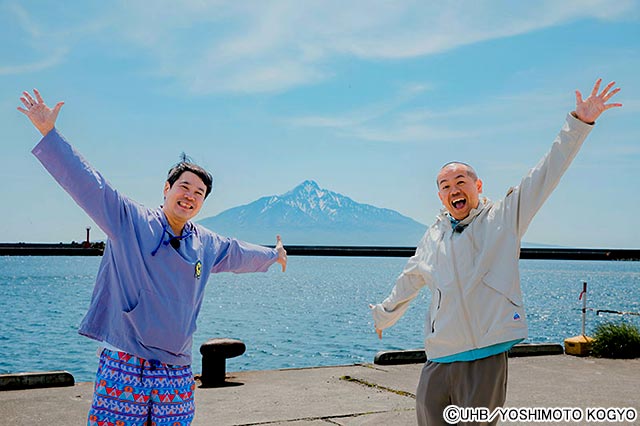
<point>433,321</point>
<point>465,310</point>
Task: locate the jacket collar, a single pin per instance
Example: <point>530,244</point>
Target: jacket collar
<point>445,216</point>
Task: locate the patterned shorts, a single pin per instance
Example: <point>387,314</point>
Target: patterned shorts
<point>132,391</point>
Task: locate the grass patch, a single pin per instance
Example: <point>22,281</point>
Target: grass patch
<point>375,386</point>
<point>616,340</point>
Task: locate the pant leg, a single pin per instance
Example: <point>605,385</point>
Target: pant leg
<point>172,397</point>
<point>481,383</point>
<point>119,397</point>
<point>433,394</point>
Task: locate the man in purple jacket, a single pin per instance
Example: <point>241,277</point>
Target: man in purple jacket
<point>150,283</point>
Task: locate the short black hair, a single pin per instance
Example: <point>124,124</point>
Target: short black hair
<point>186,164</point>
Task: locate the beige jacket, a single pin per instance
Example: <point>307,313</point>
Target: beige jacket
<point>473,275</point>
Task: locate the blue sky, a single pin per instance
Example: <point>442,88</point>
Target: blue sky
<point>368,98</point>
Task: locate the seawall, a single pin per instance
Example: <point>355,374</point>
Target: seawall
<point>48,249</point>
<point>97,249</point>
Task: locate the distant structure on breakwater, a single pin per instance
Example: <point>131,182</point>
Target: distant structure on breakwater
<point>85,248</point>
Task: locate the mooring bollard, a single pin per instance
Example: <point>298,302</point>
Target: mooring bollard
<point>214,356</point>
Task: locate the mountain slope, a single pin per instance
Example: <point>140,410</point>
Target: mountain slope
<point>310,215</point>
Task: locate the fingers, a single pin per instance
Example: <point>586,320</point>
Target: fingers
<point>609,86</point>
<point>38,97</point>
<point>56,109</point>
<point>282,253</point>
<point>596,87</point>
<point>609,95</point>
<point>612,106</point>
<point>378,331</point>
<point>28,97</point>
<point>578,97</point>
<point>605,94</point>
<point>26,102</point>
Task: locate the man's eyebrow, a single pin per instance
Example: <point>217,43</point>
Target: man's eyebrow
<point>200,188</point>
<point>457,177</point>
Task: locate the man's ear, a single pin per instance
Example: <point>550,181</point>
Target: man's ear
<point>167,187</point>
<point>440,196</point>
<point>479,185</point>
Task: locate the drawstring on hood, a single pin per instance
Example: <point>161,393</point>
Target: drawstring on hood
<point>173,240</point>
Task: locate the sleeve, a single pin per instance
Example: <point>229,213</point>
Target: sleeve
<point>526,199</point>
<point>88,188</point>
<point>237,256</point>
<point>406,288</point>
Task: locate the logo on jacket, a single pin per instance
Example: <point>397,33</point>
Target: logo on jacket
<point>198,269</point>
<point>516,316</point>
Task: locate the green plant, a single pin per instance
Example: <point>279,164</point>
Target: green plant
<point>616,340</point>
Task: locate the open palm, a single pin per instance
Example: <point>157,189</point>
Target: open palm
<point>43,117</point>
<point>589,110</point>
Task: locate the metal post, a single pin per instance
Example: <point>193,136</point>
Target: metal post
<point>584,306</point>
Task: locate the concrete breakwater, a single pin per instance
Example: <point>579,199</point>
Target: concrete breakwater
<point>525,252</point>
<point>51,249</point>
<point>97,249</point>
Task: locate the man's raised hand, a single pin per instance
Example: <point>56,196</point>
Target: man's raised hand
<point>589,110</point>
<point>43,117</point>
<point>282,253</point>
<point>378,331</point>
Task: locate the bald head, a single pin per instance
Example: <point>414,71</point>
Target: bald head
<point>456,164</point>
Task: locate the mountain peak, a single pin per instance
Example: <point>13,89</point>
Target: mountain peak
<point>309,214</point>
<point>307,189</point>
<point>307,186</point>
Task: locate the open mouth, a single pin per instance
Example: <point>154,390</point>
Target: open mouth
<point>185,205</point>
<point>459,203</point>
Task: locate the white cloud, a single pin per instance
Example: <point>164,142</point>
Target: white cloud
<point>278,45</point>
<point>53,59</point>
<point>394,121</point>
<point>37,38</point>
<point>252,47</point>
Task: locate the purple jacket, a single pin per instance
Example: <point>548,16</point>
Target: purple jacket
<point>147,295</point>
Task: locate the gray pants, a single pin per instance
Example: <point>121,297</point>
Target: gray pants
<point>479,383</point>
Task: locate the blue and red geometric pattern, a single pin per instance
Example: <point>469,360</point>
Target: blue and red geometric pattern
<point>131,391</point>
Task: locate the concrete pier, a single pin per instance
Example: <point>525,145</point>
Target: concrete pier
<point>352,395</point>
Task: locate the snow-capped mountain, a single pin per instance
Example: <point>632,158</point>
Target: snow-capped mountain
<point>310,215</point>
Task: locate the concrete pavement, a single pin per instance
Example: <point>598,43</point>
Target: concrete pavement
<point>352,395</point>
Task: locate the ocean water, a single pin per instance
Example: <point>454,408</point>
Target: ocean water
<point>315,314</point>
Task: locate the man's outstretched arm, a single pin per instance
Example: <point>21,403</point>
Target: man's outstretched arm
<point>89,189</point>
<point>534,189</point>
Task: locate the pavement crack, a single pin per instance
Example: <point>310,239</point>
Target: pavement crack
<point>327,419</point>
<point>376,386</point>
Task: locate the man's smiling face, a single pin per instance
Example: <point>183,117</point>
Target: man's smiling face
<point>458,189</point>
<point>184,198</point>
